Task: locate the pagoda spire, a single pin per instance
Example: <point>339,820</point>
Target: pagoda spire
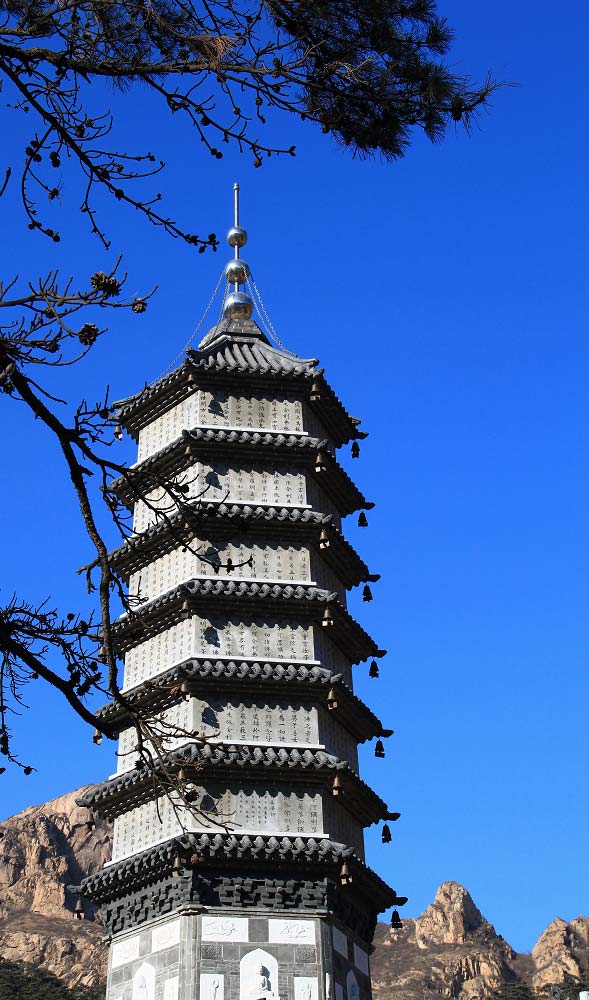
<point>238,304</point>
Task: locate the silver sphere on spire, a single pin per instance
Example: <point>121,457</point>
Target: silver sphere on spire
<point>237,236</point>
<point>237,271</point>
<point>238,305</point>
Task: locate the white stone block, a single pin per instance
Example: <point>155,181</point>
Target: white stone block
<point>291,931</point>
<point>225,929</point>
<point>165,936</point>
<point>171,987</point>
<point>124,951</point>
<point>212,986</point>
<point>144,983</point>
<point>306,988</point>
<point>258,976</point>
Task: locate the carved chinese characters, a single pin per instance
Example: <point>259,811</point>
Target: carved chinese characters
<point>221,560</point>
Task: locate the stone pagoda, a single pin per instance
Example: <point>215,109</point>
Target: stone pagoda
<point>257,889</point>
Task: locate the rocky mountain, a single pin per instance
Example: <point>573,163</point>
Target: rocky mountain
<point>450,950</point>
<point>43,850</point>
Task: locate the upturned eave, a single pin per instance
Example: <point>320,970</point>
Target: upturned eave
<point>229,368</point>
<point>224,760</point>
<point>310,603</point>
<point>264,447</point>
<point>214,852</point>
<point>311,683</point>
<point>295,524</point>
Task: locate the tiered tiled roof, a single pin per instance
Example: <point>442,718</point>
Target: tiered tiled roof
<point>283,599</point>
<point>265,448</point>
<point>296,523</point>
<point>132,788</point>
<point>238,350</point>
<point>159,692</point>
<point>207,849</point>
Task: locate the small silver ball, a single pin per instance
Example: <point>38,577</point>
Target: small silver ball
<point>237,272</point>
<point>238,305</point>
<point>237,237</point>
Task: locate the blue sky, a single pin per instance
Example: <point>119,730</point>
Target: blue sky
<point>446,297</point>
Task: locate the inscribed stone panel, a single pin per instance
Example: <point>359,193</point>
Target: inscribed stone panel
<point>165,936</point>
<point>162,651</point>
<point>177,724</point>
<point>219,408</point>
<point>225,929</point>
<point>257,808</point>
<point>167,427</point>
<point>260,561</point>
<point>246,483</point>
<point>253,638</point>
<point>291,931</point>
<point>257,721</point>
<point>124,951</point>
<point>143,826</point>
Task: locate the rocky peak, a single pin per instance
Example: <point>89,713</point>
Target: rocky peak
<point>561,948</point>
<point>452,918</point>
<point>43,851</point>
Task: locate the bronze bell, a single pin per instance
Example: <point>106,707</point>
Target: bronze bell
<point>327,619</point>
<point>379,749</point>
<point>324,539</point>
<point>386,834</point>
<point>366,593</point>
<point>79,909</point>
<point>315,395</point>
<point>97,737</point>
<point>338,786</point>
<point>331,699</point>
<point>362,520</point>
<point>320,465</point>
<point>396,922</point>
<point>374,671</point>
<point>345,875</point>
<point>355,449</point>
<point>185,691</point>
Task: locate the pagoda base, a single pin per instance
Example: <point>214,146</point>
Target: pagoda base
<point>242,955</point>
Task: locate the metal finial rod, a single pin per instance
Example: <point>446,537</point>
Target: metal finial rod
<point>236,203</point>
<point>236,223</point>
<point>237,305</point>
